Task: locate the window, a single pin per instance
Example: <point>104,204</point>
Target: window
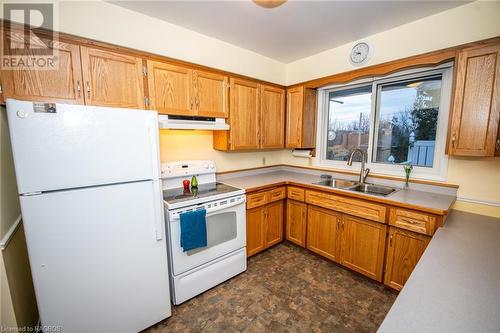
<point>348,121</point>
<point>396,120</point>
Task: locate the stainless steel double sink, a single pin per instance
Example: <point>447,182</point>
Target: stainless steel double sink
<point>358,187</point>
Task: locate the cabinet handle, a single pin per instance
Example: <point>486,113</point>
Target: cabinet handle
<point>87,85</point>
<point>191,103</point>
<point>343,225</point>
<point>79,88</point>
<point>453,139</point>
<point>390,240</point>
<point>497,144</point>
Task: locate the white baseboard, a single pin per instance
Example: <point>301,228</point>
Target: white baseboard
<point>10,233</point>
<point>481,202</point>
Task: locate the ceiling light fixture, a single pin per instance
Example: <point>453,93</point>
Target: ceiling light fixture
<point>269,3</point>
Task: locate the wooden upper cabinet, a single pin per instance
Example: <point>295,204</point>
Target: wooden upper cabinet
<point>323,232</point>
<point>272,117</point>
<point>256,117</point>
<point>210,94</point>
<point>301,118</point>
<point>170,89</point>
<point>244,115</point>
<point>476,103</point>
<point>112,79</point>
<point>296,221</point>
<point>61,84</point>
<point>403,253</point>
<point>363,246</point>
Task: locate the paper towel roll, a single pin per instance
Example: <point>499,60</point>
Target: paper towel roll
<point>302,153</point>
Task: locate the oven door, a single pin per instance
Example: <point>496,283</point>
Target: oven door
<point>226,232</point>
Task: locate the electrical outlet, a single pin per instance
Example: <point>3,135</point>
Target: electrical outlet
<point>263,161</point>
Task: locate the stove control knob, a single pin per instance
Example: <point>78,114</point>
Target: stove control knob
<point>205,166</point>
<point>212,166</point>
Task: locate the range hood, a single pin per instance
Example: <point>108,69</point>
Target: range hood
<point>193,123</point>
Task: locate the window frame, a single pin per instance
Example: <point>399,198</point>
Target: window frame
<point>440,163</point>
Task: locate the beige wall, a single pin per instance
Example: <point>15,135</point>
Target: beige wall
<point>467,23</point>
<point>18,272</point>
<point>9,211</point>
<point>9,203</point>
<point>186,145</point>
<point>17,298</point>
<point>7,316</point>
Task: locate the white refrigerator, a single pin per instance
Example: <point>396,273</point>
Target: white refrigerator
<point>91,200</point>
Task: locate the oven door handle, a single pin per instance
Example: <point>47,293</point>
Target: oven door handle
<point>215,210</point>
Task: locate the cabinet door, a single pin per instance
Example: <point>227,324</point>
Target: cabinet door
<point>323,232</point>
<point>256,238</point>
<point>476,105</point>
<point>62,84</point>
<point>170,89</point>
<point>403,252</point>
<point>112,79</point>
<point>363,246</point>
<point>295,103</point>
<point>272,119</point>
<point>244,114</point>
<point>274,223</point>
<point>210,94</point>
<point>296,221</point>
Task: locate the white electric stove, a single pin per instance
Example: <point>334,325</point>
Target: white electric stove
<point>198,270</point>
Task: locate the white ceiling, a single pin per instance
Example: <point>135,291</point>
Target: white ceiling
<point>294,30</point>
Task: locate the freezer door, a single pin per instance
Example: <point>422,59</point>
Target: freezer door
<point>95,256</point>
<point>77,145</point>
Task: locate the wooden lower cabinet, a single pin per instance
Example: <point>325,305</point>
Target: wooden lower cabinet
<point>274,226</point>
<point>256,237</point>
<point>363,246</point>
<point>403,253</point>
<point>296,221</point>
<point>264,227</point>
<point>323,232</point>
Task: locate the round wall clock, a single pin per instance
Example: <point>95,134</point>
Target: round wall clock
<point>360,54</point>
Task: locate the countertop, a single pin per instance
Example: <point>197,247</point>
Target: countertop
<point>455,286</point>
<point>430,202</point>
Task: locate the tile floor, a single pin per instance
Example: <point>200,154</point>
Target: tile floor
<point>285,289</point>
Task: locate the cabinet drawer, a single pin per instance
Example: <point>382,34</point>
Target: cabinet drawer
<point>295,193</point>
<point>276,194</point>
<point>256,199</point>
<point>367,210</point>
<point>413,220</point>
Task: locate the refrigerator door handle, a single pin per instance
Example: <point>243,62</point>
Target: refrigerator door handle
<point>159,213</point>
<point>154,144</point>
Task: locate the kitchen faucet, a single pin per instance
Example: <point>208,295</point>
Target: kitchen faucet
<point>363,173</point>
